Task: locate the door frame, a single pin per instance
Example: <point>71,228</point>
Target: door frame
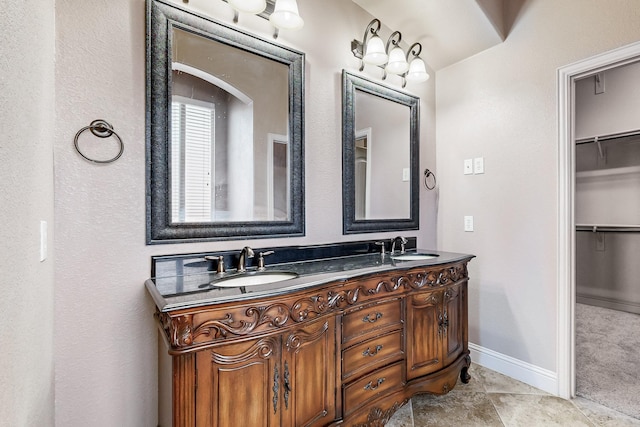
<point>567,75</point>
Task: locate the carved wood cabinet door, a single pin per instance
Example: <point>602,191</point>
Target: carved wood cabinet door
<point>309,366</point>
<point>285,380</point>
<point>231,384</point>
<point>438,320</point>
<point>424,341</point>
<point>454,306</point>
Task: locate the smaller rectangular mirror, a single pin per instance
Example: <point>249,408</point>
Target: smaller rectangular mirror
<point>380,143</point>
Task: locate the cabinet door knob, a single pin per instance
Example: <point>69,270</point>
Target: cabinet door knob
<point>369,319</point>
<point>368,352</point>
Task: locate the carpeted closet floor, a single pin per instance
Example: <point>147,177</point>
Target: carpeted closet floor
<point>608,358</point>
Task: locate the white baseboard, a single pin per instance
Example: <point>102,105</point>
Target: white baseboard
<point>535,376</point>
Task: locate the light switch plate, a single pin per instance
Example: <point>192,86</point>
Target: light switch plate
<point>43,240</point>
<point>478,165</point>
<point>468,166</point>
<point>468,223</point>
<point>405,174</point>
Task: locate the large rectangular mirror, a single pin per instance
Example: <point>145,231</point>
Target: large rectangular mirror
<point>380,142</point>
<point>224,131</point>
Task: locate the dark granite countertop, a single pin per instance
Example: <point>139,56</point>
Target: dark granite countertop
<point>187,282</point>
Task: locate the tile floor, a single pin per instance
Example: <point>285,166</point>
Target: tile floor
<point>493,399</point>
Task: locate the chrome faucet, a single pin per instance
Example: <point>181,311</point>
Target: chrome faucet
<point>403,241</point>
<point>246,252</point>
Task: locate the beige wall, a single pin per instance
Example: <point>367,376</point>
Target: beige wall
<point>105,338</point>
<point>27,122</point>
<point>501,104</point>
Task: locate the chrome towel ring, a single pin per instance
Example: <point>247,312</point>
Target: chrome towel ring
<point>427,174</point>
<point>101,129</point>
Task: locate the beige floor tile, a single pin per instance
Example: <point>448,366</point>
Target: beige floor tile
<point>458,408</point>
<point>603,416</point>
<point>402,418</point>
<point>524,410</point>
<point>494,382</point>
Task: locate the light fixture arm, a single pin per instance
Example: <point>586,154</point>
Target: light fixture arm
<point>370,31</point>
<point>393,41</point>
<point>411,50</point>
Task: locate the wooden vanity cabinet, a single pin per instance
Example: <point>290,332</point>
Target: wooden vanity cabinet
<point>347,353</point>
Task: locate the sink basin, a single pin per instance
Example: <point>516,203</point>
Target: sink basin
<point>413,257</point>
<point>252,279</point>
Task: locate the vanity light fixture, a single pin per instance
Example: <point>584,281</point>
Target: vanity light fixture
<point>390,57</point>
<point>283,14</point>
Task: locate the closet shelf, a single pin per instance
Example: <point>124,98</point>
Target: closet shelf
<point>603,228</point>
<point>608,172</point>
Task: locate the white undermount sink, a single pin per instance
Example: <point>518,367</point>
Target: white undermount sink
<point>413,257</point>
<point>252,279</point>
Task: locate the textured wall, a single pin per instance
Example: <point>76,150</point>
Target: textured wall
<point>26,197</point>
<point>501,104</point>
<point>105,338</point>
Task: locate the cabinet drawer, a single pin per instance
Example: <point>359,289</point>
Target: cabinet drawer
<point>370,318</point>
<point>370,386</point>
<point>371,354</point>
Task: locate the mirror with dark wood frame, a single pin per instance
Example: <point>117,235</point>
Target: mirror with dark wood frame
<point>225,126</point>
<point>380,146</point>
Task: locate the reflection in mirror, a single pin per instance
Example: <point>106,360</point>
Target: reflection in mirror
<point>224,131</point>
<point>381,126</point>
<point>380,157</point>
<point>221,154</point>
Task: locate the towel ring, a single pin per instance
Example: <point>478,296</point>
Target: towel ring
<point>101,129</point>
<point>427,174</point>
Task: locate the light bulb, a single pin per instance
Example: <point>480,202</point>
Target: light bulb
<point>417,71</point>
<point>397,62</point>
<point>285,15</point>
<point>374,52</point>
<point>248,6</point>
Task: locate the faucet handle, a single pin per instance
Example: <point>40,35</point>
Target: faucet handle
<point>219,259</point>
<point>261,256</point>
<point>381,244</point>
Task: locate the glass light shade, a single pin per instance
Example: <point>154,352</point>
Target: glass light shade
<point>397,62</point>
<point>248,6</point>
<point>417,71</point>
<point>374,53</point>
<point>285,15</point>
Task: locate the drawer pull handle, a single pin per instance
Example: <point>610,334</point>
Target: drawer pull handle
<point>371,386</point>
<point>368,352</point>
<point>369,319</point>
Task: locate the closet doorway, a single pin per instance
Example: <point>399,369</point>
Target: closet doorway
<point>599,159</point>
<point>607,242</point>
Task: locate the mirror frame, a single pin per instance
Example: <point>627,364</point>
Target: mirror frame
<point>162,18</point>
<point>351,225</point>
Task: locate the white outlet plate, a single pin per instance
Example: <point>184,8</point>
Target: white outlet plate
<point>478,165</point>
<point>468,223</point>
<point>468,166</point>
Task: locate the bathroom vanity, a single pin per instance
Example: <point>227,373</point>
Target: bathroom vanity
<point>347,341</point>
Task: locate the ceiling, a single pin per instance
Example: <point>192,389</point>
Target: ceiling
<point>449,30</point>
